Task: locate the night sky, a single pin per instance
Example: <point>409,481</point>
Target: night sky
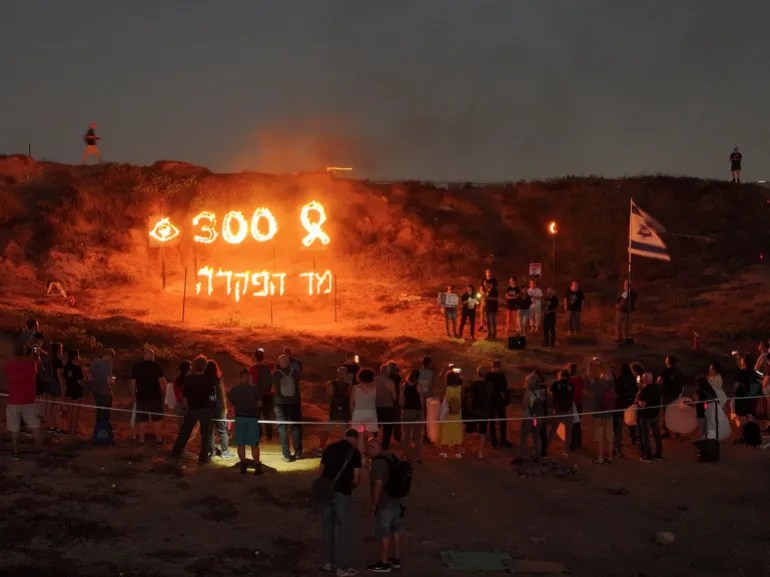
<point>442,89</point>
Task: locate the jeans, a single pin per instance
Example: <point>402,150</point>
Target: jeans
<point>220,428</point>
<point>530,429</point>
<point>268,414</point>
<point>574,321</point>
<point>192,418</point>
<point>104,402</point>
<point>568,419</point>
<point>491,323</point>
<point>283,414</point>
<point>649,427</point>
<point>620,325</point>
<point>468,315</point>
<point>386,414</point>
<point>335,529</point>
<point>497,411</point>
<point>549,329</point>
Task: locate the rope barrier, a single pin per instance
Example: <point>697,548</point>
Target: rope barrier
<point>570,414</point>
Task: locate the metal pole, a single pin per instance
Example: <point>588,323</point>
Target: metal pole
<point>628,294</point>
<point>271,291</point>
<point>184,293</point>
<point>163,266</point>
<point>553,257</point>
<point>334,278</point>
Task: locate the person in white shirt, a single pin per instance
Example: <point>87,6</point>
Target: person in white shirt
<point>536,308</point>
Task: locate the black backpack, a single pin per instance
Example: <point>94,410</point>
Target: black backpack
<point>399,477</point>
<point>751,435</point>
<point>563,396</point>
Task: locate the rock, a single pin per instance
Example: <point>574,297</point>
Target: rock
<point>519,567</point>
<point>665,538</point>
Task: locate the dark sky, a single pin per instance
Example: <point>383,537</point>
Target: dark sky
<point>443,89</point>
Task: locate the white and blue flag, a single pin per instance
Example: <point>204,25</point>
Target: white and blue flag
<point>644,235</point>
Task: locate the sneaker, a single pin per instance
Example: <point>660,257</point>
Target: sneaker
<point>287,459</point>
<point>349,572</point>
<point>646,460</point>
<point>327,568</point>
<point>380,567</point>
<point>395,563</point>
<point>258,469</point>
<point>227,455</point>
<point>244,468</point>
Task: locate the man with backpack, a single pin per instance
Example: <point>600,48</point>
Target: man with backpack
<point>288,408</point>
<point>563,399</point>
<point>390,481</point>
<point>261,375</point>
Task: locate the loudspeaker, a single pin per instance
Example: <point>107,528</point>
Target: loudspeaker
<point>517,343</point>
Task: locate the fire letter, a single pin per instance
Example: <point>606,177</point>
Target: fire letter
<point>227,274</point>
<point>320,278</point>
<point>241,284</point>
<point>281,277</point>
<point>310,276</point>
<point>313,229</point>
<point>208,272</point>
<point>272,225</point>
<point>263,279</point>
<point>227,226</point>
<point>211,234</point>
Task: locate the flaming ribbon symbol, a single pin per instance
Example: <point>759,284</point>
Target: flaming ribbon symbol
<point>313,229</point>
<point>164,231</point>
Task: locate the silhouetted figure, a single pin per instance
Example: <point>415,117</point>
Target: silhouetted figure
<point>735,165</point>
<point>91,139</point>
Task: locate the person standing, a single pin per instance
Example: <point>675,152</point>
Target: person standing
<point>535,408</point>
<point>735,165</point>
<point>480,395</point>
<point>261,374</point>
<point>500,398</point>
<point>573,304</point>
<point>450,312</point>
<point>562,399</point>
<point>524,304</point>
<point>491,309</point>
<point>352,365</point>
<point>624,304</point>
<point>704,394</point>
<point>74,379</point>
<point>412,404</point>
<point>512,307</point>
<point>671,382</point>
<point>20,376</point>
<point>385,401</point>
<point>602,401</point>
<point>219,426</point>
<point>147,385</point>
<point>340,463</point>
<point>200,396</point>
<point>338,390</point>
<point>626,390</point>
<point>468,313</point>
<point>102,380</point>
<point>288,408</point>
<point>536,307</point>
<point>648,413</point>
<point>550,306</point>
<point>245,399</point>
<point>91,141</point>
<point>484,286</point>
<point>578,386</point>
<point>451,431</point>
<point>386,509</point>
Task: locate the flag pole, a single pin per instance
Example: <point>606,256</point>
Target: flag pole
<point>628,294</point>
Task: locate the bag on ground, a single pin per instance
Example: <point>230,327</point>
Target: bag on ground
<point>103,434</point>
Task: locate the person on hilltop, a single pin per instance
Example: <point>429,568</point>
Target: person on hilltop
<point>341,463</point>
<point>220,413</point>
<point>524,304</point>
<point>573,304</point>
<point>200,396</point>
<point>147,385</point>
<point>469,302</point>
<point>536,308</point>
<point>261,374</point>
<point>91,140</point>
<point>550,306</point>
<point>625,303</point>
<point>484,285</point>
<point>20,376</point>
<point>245,399</point>
<point>450,314</point>
<point>492,302</point>
<point>512,307</point>
<point>735,165</point>
<point>288,408</point>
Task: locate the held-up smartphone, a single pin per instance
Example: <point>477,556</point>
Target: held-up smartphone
<point>356,359</point>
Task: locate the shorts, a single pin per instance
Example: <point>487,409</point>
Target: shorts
<point>735,167</point>
<point>15,413</point>
<point>145,407</point>
<point>246,431</point>
<point>74,394</point>
<point>603,430</point>
<point>387,520</point>
<point>450,314</point>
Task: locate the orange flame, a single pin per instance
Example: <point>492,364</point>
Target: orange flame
<point>552,228</point>
<point>313,229</point>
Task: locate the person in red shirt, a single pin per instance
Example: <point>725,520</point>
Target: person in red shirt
<point>20,377</point>
<point>261,375</point>
<point>577,387</point>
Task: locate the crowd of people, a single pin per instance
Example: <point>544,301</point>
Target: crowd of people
<point>528,310</point>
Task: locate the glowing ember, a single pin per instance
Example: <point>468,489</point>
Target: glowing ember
<point>313,229</point>
<point>227,227</point>
<point>211,234</point>
<point>164,231</point>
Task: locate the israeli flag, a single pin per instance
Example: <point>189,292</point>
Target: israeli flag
<point>643,235</point>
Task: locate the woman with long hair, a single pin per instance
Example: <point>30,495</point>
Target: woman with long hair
<point>220,413</point>
<point>451,421</point>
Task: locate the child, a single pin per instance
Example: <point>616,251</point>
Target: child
<point>246,399</point>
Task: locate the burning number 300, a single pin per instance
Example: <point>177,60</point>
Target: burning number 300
<point>235,227</point>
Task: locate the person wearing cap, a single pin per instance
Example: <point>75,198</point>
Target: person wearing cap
<point>91,139</point>
<point>340,462</point>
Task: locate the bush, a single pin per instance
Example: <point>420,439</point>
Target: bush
<point>76,337</point>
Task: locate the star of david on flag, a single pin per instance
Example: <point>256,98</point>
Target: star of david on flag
<point>643,235</point>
